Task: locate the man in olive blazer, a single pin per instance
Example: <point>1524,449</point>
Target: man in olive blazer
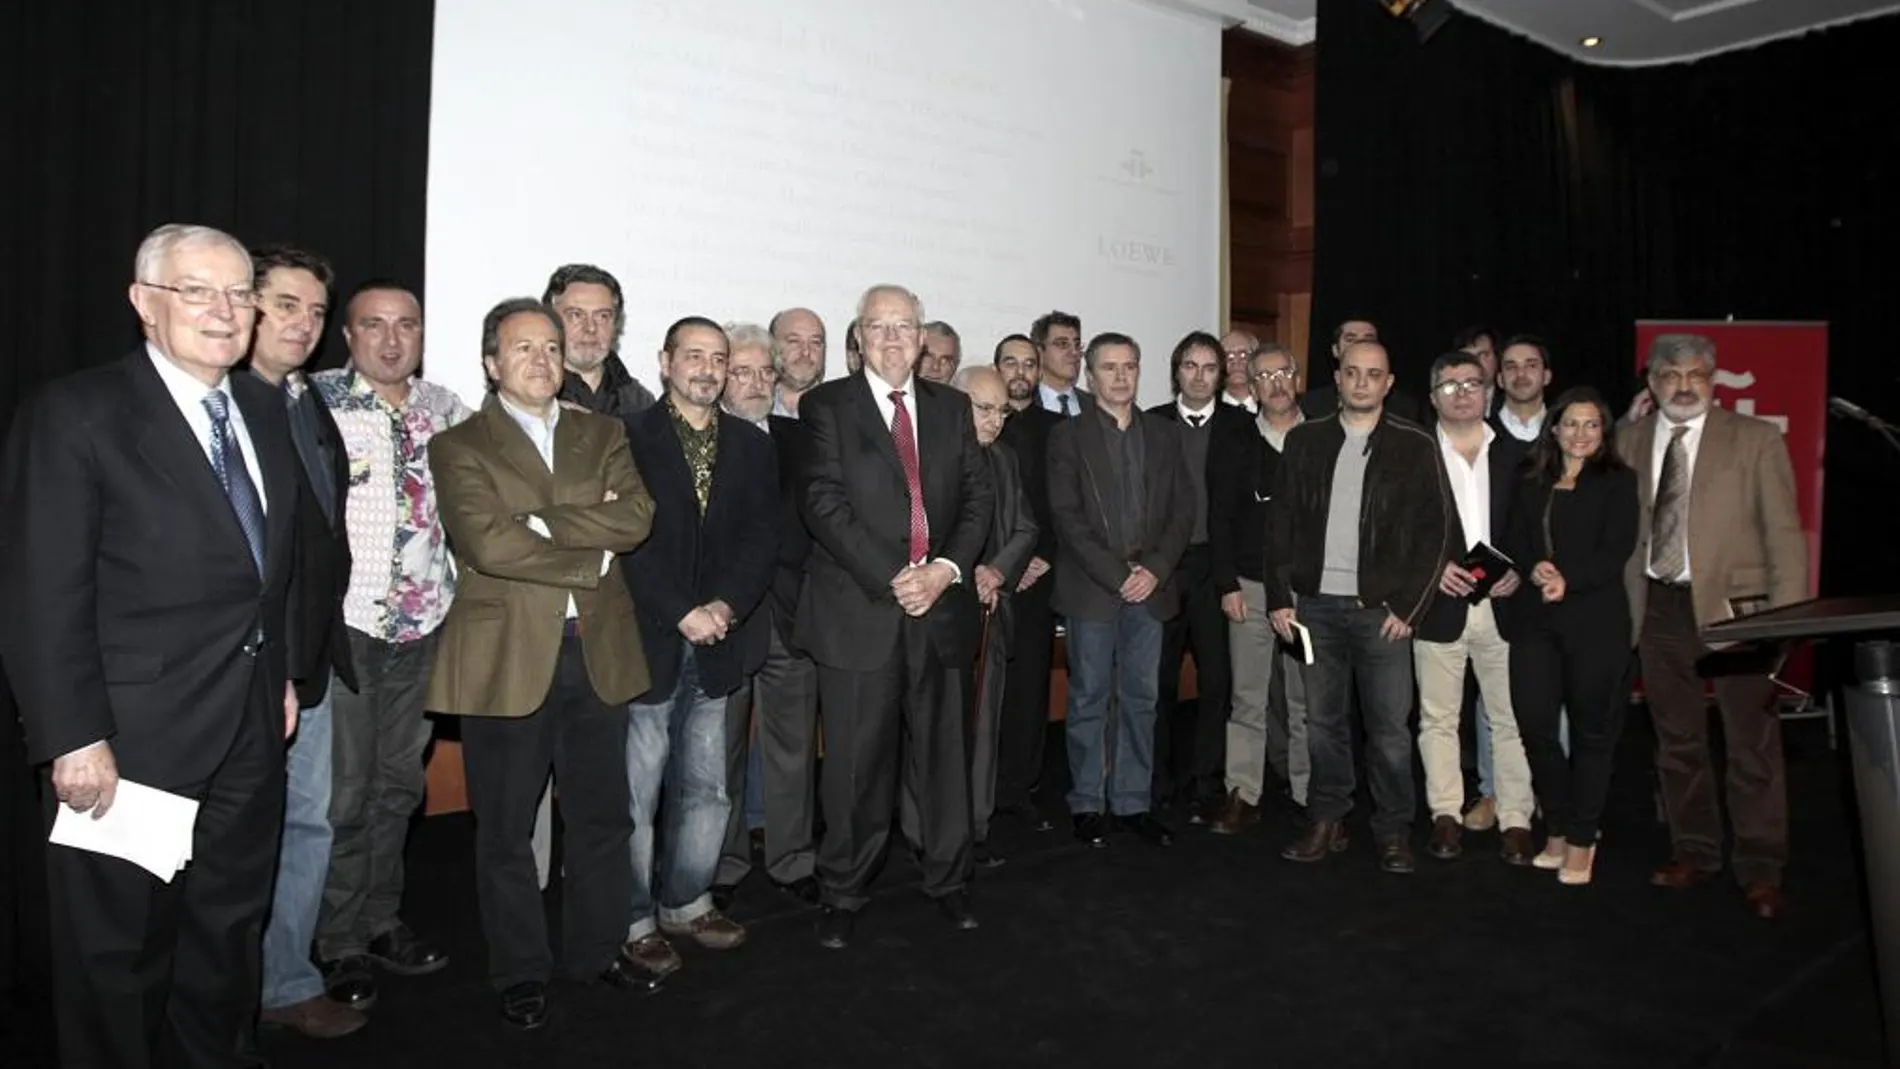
<point>540,654</point>
<point>1719,535</point>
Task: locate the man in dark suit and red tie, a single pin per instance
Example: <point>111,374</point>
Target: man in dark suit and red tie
<point>149,510</point>
<point>898,499</point>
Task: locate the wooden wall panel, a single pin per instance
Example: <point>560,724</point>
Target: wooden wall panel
<point>1269,187</point>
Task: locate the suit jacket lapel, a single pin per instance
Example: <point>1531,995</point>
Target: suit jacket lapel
<point>871,422</point>
<point>512,443</point>
<point>1642,445</point>
<point>168,444</point>
<point>572,444</point>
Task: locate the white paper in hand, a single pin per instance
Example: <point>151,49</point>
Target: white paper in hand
<point>146,826</point>
<point>1304,640</point>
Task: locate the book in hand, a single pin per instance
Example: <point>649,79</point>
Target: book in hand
<point>1487,565</point>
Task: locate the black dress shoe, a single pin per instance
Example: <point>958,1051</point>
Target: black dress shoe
<point>955,908</point>
<point>348,981</point>
<point>1091,828</point>
<point>1396,857</point>
<point>404,953</point>
<point>985,858</point>
<point>835,927</point>
<point>525,1005</point>
<point>1147,826</point>
<point>722,894</point>
<point>805,889</point>
<point>625,974</point>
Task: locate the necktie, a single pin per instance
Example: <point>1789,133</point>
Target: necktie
<point>1063,400</point>
<point>1669,525</point>
<point>227,460</point>
<point>1196,420</point>
<point>906,442</point>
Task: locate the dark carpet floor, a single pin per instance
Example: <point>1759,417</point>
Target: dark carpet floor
<point>1214,953</point>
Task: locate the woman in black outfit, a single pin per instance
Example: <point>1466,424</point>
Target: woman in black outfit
<point>1573,524</point>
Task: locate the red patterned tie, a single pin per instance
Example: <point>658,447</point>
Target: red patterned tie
<point>906,441</point>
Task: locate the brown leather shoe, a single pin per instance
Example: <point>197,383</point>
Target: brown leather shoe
<point>711,929</point>
<point>1517,849</point>
<point>1766,899</point>
<point>1234,815</point>
<point>1445,834</point>
<point>319,1018</point>
<point>1322,837</point>
<point>653,955</point>
<point>1679,875</point>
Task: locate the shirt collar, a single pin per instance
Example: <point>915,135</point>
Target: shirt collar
<point>1204,412</point>
<point>1260,420</point>
<point>528,421</point>
<point>1665,426</point>
<point>188,392</point>
<point>1445,442</point>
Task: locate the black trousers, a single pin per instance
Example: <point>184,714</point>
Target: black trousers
<point>1191,742</point>
<point>584,739</point>
<point>152,973</point>
<point>917,700</point>
<point>1587,671</point>
<point>777,711</point>
<point>1025,717</point>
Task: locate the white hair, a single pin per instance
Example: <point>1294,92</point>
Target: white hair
<point>747,336</point>
<point>161,243</point>
<point>887,289</point>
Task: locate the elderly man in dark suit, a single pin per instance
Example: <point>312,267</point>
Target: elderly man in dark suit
<point>1124,509</point>
<point>150,509</point>
<point>540,654</point>
<point>898,500</point>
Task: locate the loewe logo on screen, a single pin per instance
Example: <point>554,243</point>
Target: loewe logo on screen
<point>1130,252</point>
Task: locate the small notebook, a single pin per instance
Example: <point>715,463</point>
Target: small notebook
<point>1487,564</point>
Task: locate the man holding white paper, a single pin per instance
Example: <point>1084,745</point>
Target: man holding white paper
<point>1470,621</point>
<point>148,509</point>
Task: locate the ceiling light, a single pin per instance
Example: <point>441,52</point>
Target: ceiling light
<point>1591,42</point>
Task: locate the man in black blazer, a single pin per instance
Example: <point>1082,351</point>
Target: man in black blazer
<point>1321,401</point>
<point>1025,719</point>
<point>1481,467</point>
<point>1124,510</point>
<point>697,582</point>
<point>150,514</point>
<point>293,291</point>
<point>1190,744</point>
<point>898,500</point>
<point>779,701</point>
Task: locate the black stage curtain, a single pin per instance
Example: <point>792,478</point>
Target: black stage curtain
<point>1481,178</point>
<point>306,123</point>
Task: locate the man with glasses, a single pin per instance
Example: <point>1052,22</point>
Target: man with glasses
<point>1356,542</point>
<point>942,352</point>
<point>149,510</point>
<point>898,500</point>
<point>1266,725</point>
<point>1481,467</point>
<point>1058,341</point>
<point>1720,536</point>
<point>1237,349</point>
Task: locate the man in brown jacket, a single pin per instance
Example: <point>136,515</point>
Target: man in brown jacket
<point>540,653</point>
<point>1719,536</point>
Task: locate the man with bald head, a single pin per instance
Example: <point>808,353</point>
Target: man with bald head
<point>898,499</point>
<point>798,352</point>
<point>148,514</point>
<point>1004,560</point>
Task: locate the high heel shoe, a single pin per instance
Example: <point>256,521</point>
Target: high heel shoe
<point>1552,857</point>
<point>1570,877</point>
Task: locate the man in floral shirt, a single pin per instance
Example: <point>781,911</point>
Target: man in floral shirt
<point>401,584</point>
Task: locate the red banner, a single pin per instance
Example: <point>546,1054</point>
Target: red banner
<point>1776,372</point>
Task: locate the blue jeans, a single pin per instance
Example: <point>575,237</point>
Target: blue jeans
<point>1119,659</point>
<point>676,761</point>
<point>1347,645</point>
<point>1483,726</point>
<point>303,861</point>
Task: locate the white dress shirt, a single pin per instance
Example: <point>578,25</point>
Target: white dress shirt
<point>1470,485</point>
<point>1206,414</point>
<point>1659,449</point>
<point>1524,430</point>
<point>189,395</point>
<point>1275,437</point>
<point>1246,402</point>
<point>887,411</point>
<point>1050,399</point>
<point>540,432</point>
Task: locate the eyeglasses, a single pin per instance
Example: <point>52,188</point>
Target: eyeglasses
<point>1671,379</point>
<point>767,375</point>
<point>1238,354</point>
<point>891,330</point>
<point>197,293</point>
<point>1278,374</point>
<point>1454,387</point>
